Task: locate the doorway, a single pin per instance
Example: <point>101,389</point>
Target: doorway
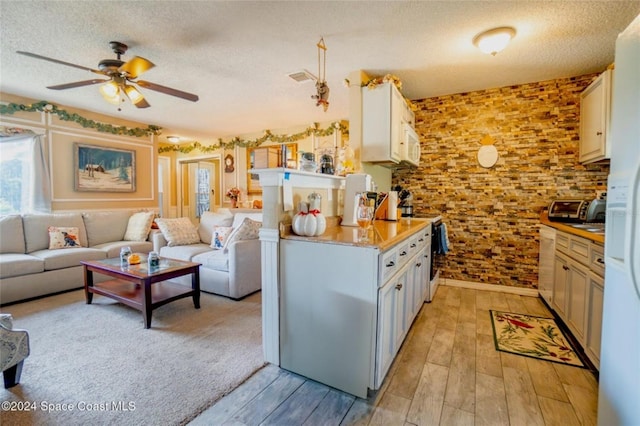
<point>199,186</point>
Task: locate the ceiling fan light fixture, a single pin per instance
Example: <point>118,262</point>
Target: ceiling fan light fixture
<point>133,94</point>
<point>494,40</point>
<point>110,90</point>
<point>173,139</point>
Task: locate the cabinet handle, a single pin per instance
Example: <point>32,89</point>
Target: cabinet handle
<point>598,133</point>
<point>421,240</point>
<point>404,253</point>
<point>413,245</point>
<point>600,260</point>
<point>566,268</point>
<point>399,286</point>
<point>390,264</point>
<point>419,264</point>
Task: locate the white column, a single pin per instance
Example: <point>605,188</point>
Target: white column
<point>270,267</point>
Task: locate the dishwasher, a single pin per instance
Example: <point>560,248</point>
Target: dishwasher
<point>545,263</point>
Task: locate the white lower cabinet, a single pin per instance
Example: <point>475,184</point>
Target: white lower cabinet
<point>343,322</point>
<point>391,323</point>
<point>577,314</point>
<point>578,290</point>
<point>561,278</point>
<point>596,298</point>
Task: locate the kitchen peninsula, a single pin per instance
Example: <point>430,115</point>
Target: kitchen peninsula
<point>346,306</point>
<point>336,309</point>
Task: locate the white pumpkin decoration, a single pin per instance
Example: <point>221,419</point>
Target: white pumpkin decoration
<point>309,224</point>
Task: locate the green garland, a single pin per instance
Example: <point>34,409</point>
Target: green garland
<point>267,137</point>
<point>44,106</point>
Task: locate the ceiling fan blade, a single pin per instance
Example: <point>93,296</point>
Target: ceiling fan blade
<point>76,84</point>
<point>136,66</point>
<point>168,90</point>
<point>142,103</point>
<point>57,61</point>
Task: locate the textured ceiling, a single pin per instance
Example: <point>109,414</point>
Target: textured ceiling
<point>236,55</point>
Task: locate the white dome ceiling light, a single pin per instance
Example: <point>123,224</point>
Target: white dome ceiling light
<point>494,40</point>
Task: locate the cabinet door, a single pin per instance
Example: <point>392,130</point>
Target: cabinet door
<point>594,114</point>
<point>577,295</point>
<point>560,278</point>
<point>403,306</point>
<point>380,124</point>
<point>397,132</point>
<point>594,314</point>
<point>388,298</point>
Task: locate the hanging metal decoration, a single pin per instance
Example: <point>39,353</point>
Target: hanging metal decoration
<point>322,90</point>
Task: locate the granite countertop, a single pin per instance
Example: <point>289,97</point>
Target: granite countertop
<point>597,237</point>
<point>382,234</point>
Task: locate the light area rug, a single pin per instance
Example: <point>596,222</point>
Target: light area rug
<point>97,364</point>
<point>532,336</point>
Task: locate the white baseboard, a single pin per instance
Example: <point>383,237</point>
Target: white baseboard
<point>489,287</point>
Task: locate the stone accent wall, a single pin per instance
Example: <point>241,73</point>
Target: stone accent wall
<point>492,214</point>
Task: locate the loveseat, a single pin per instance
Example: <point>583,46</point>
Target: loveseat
<point>226,245</point>
<point>40,254</point>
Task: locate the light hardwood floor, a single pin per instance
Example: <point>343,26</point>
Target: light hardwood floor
<point>446,373</point>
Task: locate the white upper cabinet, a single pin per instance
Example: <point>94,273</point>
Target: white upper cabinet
<point>595,113</point>
<point>385,117</point>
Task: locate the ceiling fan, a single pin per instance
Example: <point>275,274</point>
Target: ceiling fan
<point>122,77</point>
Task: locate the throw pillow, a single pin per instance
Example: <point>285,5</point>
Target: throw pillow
<point>248,230</point>
<point>63,237</point>
<point>139,226</point>
<point>220,234</point>
<point>210,219</point>
<point>178,231</point>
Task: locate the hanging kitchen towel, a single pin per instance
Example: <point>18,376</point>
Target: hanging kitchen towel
<point>444,239</point>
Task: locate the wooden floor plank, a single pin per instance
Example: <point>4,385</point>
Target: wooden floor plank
<point>269,399</point>
<point>585,403</point>
<point>461,384</point>
<point>448,318</point>
<point>499,302</point>
<point>487,357</point>
<point>483,300</point>
<point>491,401</point>
<point>392,410</point>
<point>426,406</point>
<point>224,409</point>
<point>515,304</point>
<point>452,416</point>
<point>441,347</point>
<point>522,400</point>
<point>545,380</point>
<point>535,306</point>
<point>298,407</point>
<point>331,410</point>
<point>557,412</point>
<point>359,413</point>
<point>464,341</point>
<point>483,322</point>
<point>453,297</point>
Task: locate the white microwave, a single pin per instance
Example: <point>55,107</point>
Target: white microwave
<point>411,145</point>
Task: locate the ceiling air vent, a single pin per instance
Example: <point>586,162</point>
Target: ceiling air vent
<point>302,76</point>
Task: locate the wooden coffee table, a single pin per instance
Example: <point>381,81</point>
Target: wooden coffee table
<point>135,286</point>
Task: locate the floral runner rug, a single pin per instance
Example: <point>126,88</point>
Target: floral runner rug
<point>532,336</point>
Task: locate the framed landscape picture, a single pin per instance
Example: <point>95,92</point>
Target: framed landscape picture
<point>103,169</point>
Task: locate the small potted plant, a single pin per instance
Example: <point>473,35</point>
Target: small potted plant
<point>233,194</point>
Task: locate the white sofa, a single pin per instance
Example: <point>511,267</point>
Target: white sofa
<point>234,272</point>
<point>28,268</point>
